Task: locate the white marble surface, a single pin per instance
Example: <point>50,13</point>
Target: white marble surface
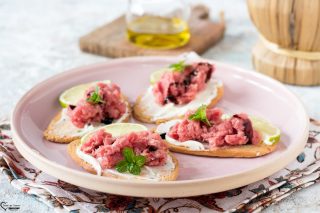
<point>40,38</point>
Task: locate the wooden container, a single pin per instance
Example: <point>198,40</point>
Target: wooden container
<point>289,46</point>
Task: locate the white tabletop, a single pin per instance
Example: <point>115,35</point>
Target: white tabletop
<point>40,38</point>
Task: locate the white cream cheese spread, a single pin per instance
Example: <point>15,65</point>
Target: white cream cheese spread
<point>147,172</point>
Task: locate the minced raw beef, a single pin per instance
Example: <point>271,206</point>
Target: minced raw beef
<point>236,130</point>
<point>111,107</point>
<point>108,149</point>
<point>182,87</point>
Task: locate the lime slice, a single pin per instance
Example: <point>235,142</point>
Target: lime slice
<point>155,76</point>
<point>74,94</point>
<point>270,134</point>
<point>118,129</point>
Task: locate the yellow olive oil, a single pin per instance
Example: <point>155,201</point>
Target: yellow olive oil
<point>158,32</point>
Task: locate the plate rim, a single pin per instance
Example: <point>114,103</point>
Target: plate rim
<point>160,189</point>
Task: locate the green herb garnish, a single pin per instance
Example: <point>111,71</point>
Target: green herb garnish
<point>132,163</point>
<point>178,67</point>
<point>95,98</point>
<point>201,115</point>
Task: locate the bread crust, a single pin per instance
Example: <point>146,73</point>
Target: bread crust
<point>52,137</point>
<point>72,148</point>
<point>241,151</point>
<point>138,109</point>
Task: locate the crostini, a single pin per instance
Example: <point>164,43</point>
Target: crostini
<point>209,132</point>
<point>85,108</point>
<point>177,89</point>
<point>125,151</point>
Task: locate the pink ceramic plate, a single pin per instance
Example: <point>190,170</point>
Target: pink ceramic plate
<point>244,92</point>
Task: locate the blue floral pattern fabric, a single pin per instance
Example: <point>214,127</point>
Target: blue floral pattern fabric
<point>65,197</point>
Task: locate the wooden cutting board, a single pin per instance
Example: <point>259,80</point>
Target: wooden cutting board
<point>110,39</point>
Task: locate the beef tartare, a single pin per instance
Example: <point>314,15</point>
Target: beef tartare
<point>181,87</point>
<point>108,149</point>
<point>101,103</point>
<point>217,132</point>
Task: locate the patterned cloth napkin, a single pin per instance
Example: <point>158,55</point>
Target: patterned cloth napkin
<point>63,197</point>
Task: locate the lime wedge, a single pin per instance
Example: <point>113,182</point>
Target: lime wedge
<point>74,94</point>
<point>155,76</point>
<point>270,134</point>
<point>118,129</point>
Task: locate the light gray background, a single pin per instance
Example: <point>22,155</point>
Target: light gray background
<point>40,38</point>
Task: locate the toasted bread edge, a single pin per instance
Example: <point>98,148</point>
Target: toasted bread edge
<point>241,151</point>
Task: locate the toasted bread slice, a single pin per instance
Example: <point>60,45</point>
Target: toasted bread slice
<point>63,131</point>
<point>242,151</point>
<point>191,147</point>
<point>72,150</point>
<point>140,113</point>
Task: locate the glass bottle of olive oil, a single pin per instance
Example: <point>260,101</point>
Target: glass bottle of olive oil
<point>158,24</point>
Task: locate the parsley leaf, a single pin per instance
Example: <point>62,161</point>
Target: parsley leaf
<point>132,163</point>
<point>140,160</point>
<point>94,97</point>
<point>178,67</point>
<point>201,115</point>
<point>128,154</point>
<point>134,169</point>
<point>122,166</point>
